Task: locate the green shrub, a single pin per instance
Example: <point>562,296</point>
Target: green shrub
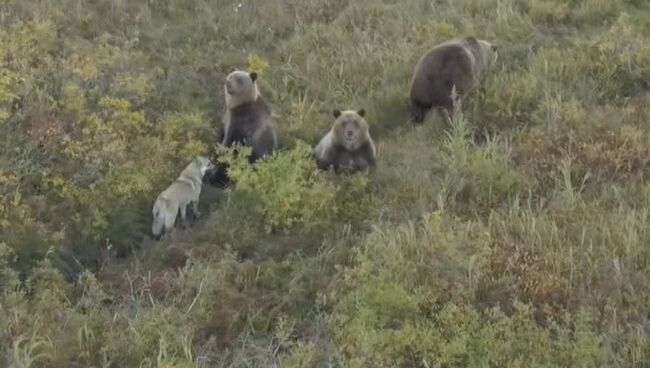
<point>514,237</point>
<point>26,235</point>
<point>399,304</point>
<point>287,190</point>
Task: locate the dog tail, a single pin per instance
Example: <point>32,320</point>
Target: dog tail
<point>164,216</point>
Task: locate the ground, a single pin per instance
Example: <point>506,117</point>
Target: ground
<point>515,235</point>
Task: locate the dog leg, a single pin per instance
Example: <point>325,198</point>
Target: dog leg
<point>195,208</point>
<point>183,210</point>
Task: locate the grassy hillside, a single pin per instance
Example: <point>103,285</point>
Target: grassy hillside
<point>515,236</point>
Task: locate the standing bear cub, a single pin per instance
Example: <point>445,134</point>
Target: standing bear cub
<point>247,121</point>
<point>447,73</point>
<point>348,147</point>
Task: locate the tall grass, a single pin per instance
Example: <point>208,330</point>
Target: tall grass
<point>512,235</point>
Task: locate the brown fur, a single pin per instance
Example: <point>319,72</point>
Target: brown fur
<point>247,121</point>
<point>447,73</point>
<point>348,145</point>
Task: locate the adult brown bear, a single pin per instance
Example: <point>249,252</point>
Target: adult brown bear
<point>447,73</point>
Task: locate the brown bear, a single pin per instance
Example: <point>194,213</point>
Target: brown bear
<point>247,121</point>
<point>447,73</point>
<point>347,147</point>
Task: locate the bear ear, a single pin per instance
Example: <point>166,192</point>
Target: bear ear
<point>232,69</point>
<point>494,47</point>
<point>336,113</point>
<point>253,76</point>
<point>362,112</point>
<point>471,40</point>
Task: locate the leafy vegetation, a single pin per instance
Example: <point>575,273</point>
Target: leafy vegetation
<point>513,236</point>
